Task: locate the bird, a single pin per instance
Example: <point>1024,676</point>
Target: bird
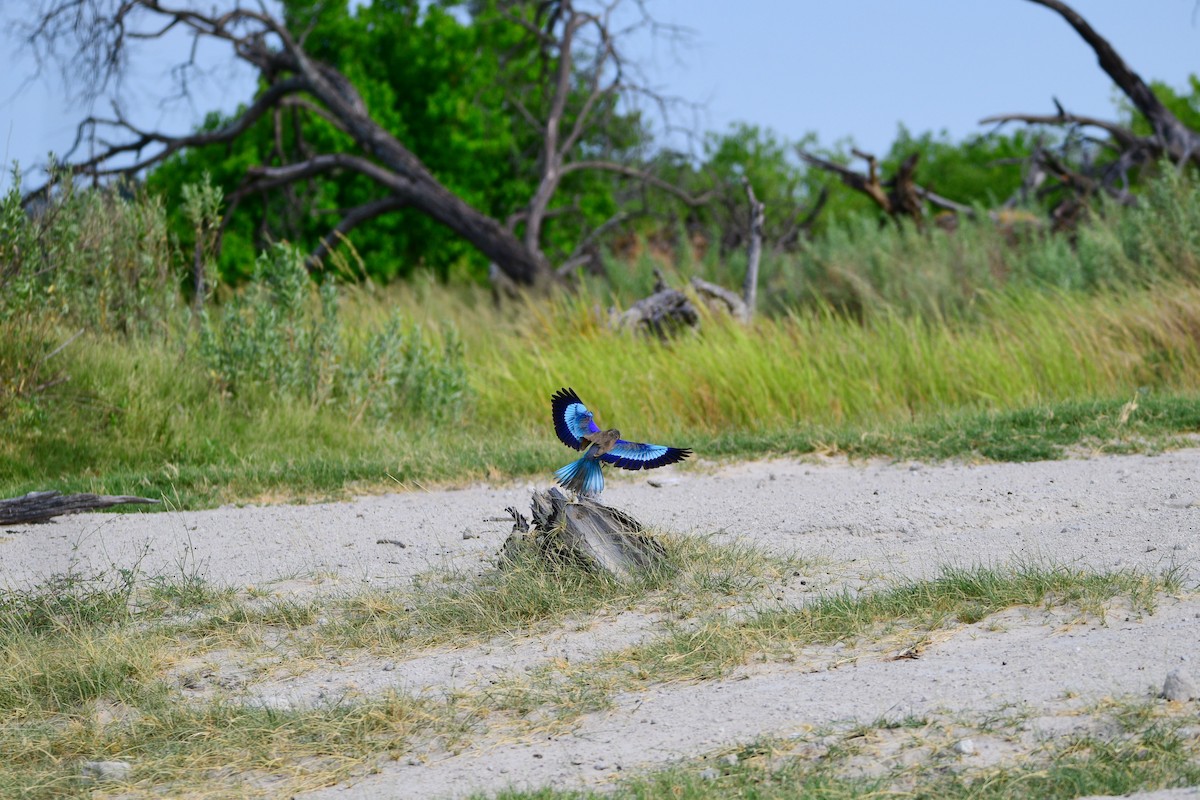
<point>576,427</point>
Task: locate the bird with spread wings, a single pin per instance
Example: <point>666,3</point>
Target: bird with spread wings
<point>576,427</point>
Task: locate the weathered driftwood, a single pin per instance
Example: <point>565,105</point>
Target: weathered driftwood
<point>663,314</point>
<point>581,531</point>
<point>42,506</point>
<point>669,311</point>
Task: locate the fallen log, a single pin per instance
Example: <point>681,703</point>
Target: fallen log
<point>43,506</point>
<point>668,311</point>
<point>583,532</point>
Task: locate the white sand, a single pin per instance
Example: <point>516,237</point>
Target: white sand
<point>865,521</point>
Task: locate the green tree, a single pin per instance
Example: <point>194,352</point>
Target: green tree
<point>460,92</point>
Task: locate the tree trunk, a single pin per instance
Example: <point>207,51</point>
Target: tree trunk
<point>1179,141</point>
<point>42,506</point>
<point>598,537</point>
<point>423,191</point>
<point>753,252</point>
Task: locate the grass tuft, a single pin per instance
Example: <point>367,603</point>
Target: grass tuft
<point>717,644</point>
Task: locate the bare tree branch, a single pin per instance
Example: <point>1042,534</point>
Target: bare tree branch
<point>101,30</point>
<point>900,196</point>
<point>641,175</point>
<point>1125,137</point>
<point>802,220</point>
<point>1177,140</point>
<point>590,72</point>
<point>352,219</point>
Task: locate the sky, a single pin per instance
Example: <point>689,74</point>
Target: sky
<point>840,68</point>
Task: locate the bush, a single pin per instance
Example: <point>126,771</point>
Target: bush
<point>99,259</point>
<point>401,372</point>
<point>274,333</point>
<point>282,335</point>
<point>860,267</point>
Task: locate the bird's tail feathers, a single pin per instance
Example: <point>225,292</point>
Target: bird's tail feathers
<point>582,477</point>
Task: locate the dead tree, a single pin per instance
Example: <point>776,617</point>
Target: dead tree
<point>96,36</point>
<point>590,73</point>
<point>753,253</point>
<point>900,196</point>
<point>100,34</point>
<point>1170,138</point>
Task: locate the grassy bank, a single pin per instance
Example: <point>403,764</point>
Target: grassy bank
<point>1024,379</point>
<point>877,342</point>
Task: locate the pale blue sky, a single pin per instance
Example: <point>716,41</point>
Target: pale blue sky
<point>840,67</point>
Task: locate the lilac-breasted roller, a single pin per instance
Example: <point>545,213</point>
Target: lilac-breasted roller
<point>577,428</point>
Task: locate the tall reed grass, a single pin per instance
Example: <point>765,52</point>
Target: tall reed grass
<point>819,368</point>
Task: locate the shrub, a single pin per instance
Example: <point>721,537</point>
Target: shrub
<point>402,373</point>
<point>99,259</point>
<point>283,335</point>
<point>274,333</point>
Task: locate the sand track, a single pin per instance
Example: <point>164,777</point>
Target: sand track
<point>866,521</point>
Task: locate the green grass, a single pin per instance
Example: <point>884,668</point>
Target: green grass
<point>1155,758</point>
<point>1025,381</point>
<point>905,614</point>
<point>91,669</point>
<point>878,342</point>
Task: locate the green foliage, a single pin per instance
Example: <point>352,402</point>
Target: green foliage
<point>1184,104</point>
<point>963,344</point>
<point>273,335</point>
<point>402,374</point>
<point>859,267</point>
<point>972,172</point>
<point>281,336</point>
<point>99,260</point>
<point>447,87</point>
<point>202,209</point>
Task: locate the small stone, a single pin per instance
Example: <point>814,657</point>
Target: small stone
<point>389,667</point>
<point>709,774</point>
<point>470,535</point>
<point>105,770</point>
<point>1179,685</point>
<point>413,761</point>
<point>964,747</point>
<point>728,760</point>
<point>600,766</point>
<point>576,761</point>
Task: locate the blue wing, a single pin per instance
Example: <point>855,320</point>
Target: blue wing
<point>635,455</point>
<point>572,420</point>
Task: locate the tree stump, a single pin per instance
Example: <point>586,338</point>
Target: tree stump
<point>43,506</point>
<point>668,312</point>
<point>581,531</point>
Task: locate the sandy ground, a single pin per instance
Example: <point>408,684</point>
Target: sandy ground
<point>866,521</point>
